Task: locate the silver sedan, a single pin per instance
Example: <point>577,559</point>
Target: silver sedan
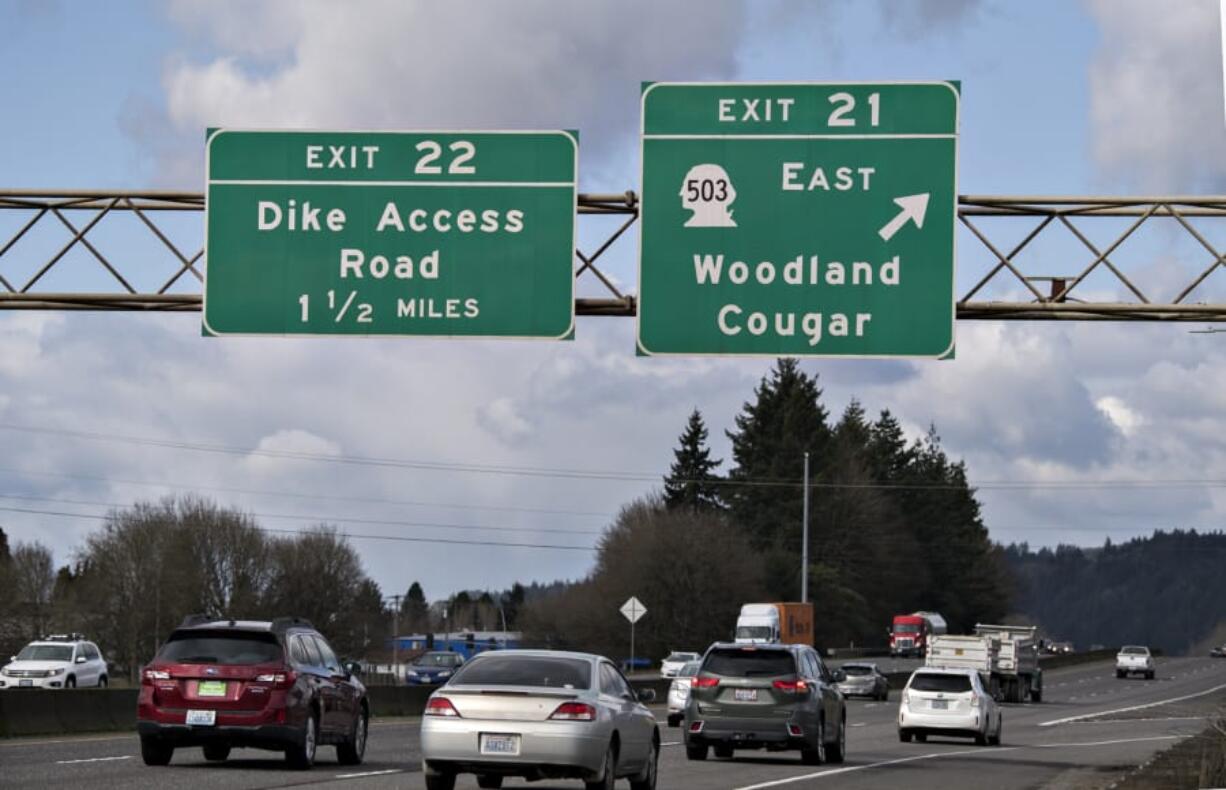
<point>539,714</point>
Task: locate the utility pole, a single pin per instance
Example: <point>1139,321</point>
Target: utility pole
<point>396,636</point>
<point>804,539</point>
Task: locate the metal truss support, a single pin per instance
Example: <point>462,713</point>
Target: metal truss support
<point>1044,298</point>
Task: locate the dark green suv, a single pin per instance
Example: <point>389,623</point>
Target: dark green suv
<point>765,696</point>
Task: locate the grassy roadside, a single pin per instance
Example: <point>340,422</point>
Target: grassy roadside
<point>1199,761</point>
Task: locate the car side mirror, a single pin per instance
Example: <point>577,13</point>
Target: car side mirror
<point>353,668</point>
<point>80,659</point>
<point>646,695</point>
<point>839,676</point>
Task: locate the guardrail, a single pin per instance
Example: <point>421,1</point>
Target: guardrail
<point>49,712</point>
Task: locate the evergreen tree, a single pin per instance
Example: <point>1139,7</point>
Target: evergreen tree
<point>415,611</point>
<point>690,483</point>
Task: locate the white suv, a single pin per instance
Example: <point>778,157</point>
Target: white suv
<point>59,661</point>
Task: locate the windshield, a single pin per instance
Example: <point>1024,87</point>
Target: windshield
<point>754,632</point>
<point>45,653</point>
<point>542,671</point>
<point>740,662</point>
<point>690,669</point>
<point>1136,651</point>
<point>444,660</point>
<point>953,684</point>
<point>857,669</point>
<point>212,647</point>
<point>905,628</point>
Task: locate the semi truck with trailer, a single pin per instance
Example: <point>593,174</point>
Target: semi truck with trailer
<point>788,623</point>
<point>911,633</point>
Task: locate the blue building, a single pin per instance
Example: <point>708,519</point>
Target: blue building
<point>466,643</point>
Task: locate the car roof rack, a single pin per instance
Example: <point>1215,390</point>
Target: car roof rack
<point>73,637</point>
<point>283,623</point>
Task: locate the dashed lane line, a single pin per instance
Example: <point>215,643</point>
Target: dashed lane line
<point>93,760</point>
<point>363,774</point>
<point>1069,719</point>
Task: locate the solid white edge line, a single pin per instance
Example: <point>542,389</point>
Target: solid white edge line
<point>1068,719</point>
<point>93,760</point>
<point>369,773</point>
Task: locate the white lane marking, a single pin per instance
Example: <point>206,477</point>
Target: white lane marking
<point>981,752</point>
<point>1054,722</point>
<point>65,740</point>
<point>671,743</point>
<point>93,760</point>
<point>859,724</point>
<point>370,773</point>
<point>1151,718</point>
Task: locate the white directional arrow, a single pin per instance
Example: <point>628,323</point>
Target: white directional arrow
<point>913,207</point>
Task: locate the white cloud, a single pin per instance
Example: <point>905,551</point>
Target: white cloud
<point>1156,95</point>
<point>1120,414</point>
<point>502,418</point>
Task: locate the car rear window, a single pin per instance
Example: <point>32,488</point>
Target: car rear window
<point>221,647</point>
<point>689,670</point>
<point>539,671</point>
<point>953,684</point>
<point>855,670</point>
<point>747,662</point>
<point>1136,651</point>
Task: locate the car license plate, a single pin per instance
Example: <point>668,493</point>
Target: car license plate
<point>940,704</point>
<point>202,718</point>
<point>499,744</point>
<point>746,695</point>
<point>211,688</point>
<point>25,683</point>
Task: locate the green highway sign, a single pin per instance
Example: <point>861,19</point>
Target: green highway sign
<point>461,234</point>
<point>802,219</point>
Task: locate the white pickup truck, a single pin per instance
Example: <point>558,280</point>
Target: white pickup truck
<point>1134,660</point>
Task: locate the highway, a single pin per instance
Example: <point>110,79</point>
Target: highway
<point>1090,725</point>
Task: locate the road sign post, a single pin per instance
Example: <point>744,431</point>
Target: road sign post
<point>632,610</point>
<point>803,219</point>
<point>458,234</point>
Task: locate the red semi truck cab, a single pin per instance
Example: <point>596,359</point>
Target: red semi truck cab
<point>911,633</point>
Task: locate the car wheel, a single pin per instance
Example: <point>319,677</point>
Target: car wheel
<point>647,779</point>
<point>102,682</point>
<point>904,736</point>
<point>489,781</point>
<point>674,720</point>
<point>70,683</point>
<point>724,752</point>
<point>216,752</point>
<point>608,775</point>
<point>696,752</point>
<point>1000,730</point>
<point>154,751</point>
<point>1119,674</point>
<point>302,754</point>
<point>438,780</point>
<point>815,754</point>
<point>353,749</point>
<point>921,737</point>
<point>1149,675</point>
<point>838,750</point>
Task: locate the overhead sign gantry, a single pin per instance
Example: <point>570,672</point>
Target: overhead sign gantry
<point>808,219</point>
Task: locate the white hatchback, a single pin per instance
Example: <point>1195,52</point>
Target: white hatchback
<point>949,702</point>
<point>57,662</point>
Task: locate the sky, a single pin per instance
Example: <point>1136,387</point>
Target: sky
<point>1074,432</point>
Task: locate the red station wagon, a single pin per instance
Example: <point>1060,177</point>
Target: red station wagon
<point>269,685</point>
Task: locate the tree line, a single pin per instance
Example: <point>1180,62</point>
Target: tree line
<point>894,526</point>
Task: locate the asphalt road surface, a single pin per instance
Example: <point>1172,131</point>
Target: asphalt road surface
<point>1089,726</point>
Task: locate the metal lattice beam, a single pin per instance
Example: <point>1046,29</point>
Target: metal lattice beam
<point>1044,298</point>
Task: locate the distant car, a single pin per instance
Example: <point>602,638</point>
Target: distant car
<point>1134,660</point>
<point>671,665</point>
<point>679,692</point>
<point>539,714</point>
<point>765,696</point>
<point>949,702</point>
<point>61,661</point>
<point>1218,652</point>
<point>430,669</point>
<point>864,680</point>
<point>269,685</point>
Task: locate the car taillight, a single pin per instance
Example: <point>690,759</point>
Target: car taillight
<point>441,706</point>
<point>281,680</point>
<point>974,700</point>
<point>791,686</point>
<point>704,683</point>
<point>574,711</point>
<point>156,674</point>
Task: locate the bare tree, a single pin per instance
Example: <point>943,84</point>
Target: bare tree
<point>33,579</point>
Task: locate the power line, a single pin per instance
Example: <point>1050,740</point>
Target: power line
<point>435,466</point>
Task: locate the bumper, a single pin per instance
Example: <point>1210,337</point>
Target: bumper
<point>547,748</point>
<point>677,703</point>
<point>1133,669</point>
<point>265,736</point>
<point>748,733</point>
<point>56,682</point>
<point>858,690</point>
<point>968,723</point>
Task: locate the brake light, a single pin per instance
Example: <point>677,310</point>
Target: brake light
<point>974,700</point>
<point>574,711</point>
<point>281,680</point>
<point>156,674</point>
<point>791,686</point>
<point>441,706</point>
<point>704,683</point>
